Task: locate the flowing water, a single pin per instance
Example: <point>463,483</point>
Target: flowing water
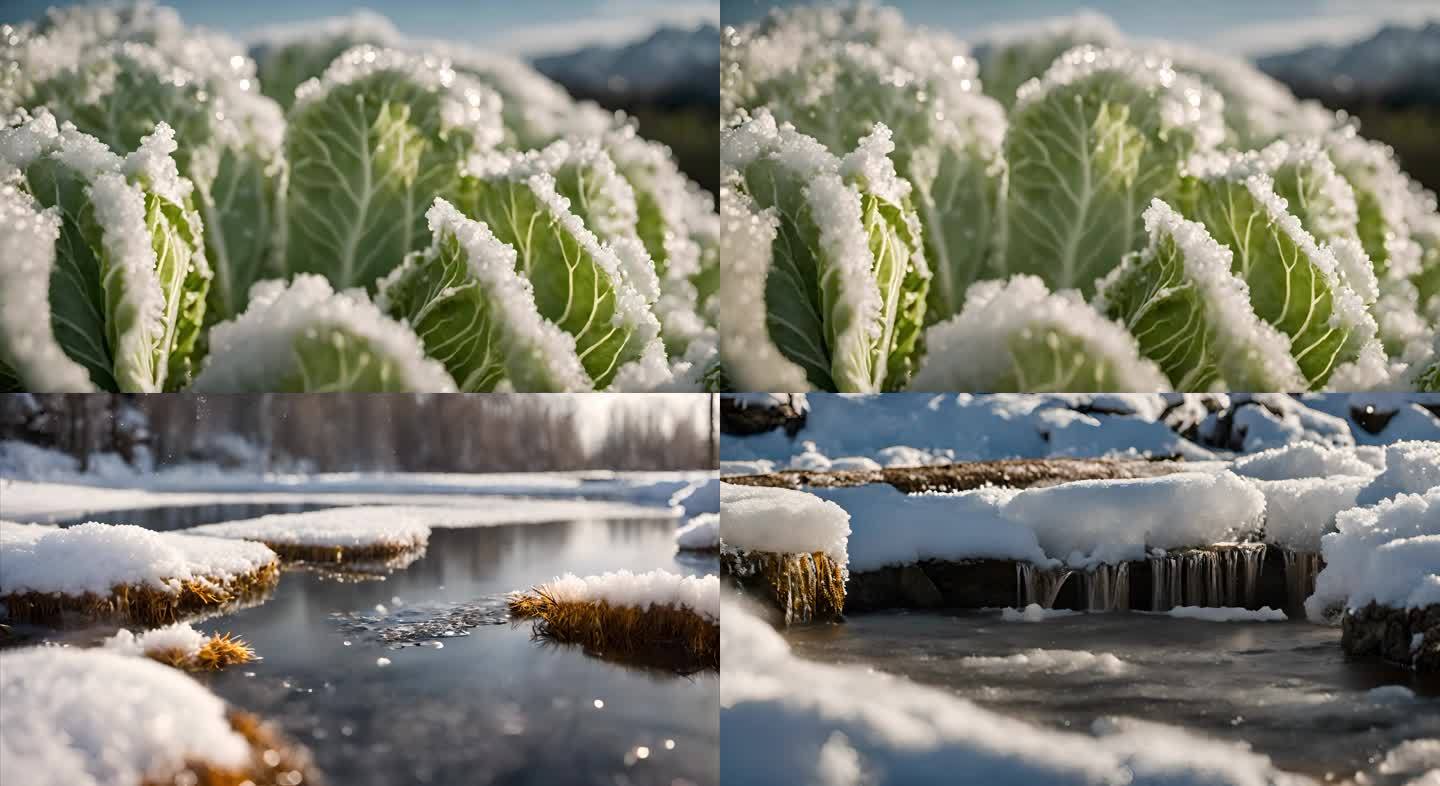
<point>1286,688</point>
<point>421,678</point>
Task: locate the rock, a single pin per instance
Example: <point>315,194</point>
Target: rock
<point>1391,634</point>
<point>799,587</point>
<point>917,590</point>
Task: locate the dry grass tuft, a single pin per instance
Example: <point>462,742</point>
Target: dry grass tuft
<point>219,651</point>
<point>663,637</point>
<point>803,587</point>
<point>274,761</point>
<point>372,552</point>
<point>140,605</point>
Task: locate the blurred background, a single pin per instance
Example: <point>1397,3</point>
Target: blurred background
<point>655,60</point>
<point>1379,60</point>
<point>339,432</point>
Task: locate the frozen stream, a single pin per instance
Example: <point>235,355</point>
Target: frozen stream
<point>1285,688</point>
<point>491,706</point>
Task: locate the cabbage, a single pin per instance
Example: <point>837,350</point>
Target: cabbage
<point>116,86</point>
<point>104,273</point>
<point>845,294</point>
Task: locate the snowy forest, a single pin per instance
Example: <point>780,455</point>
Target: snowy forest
<point>394,432</point>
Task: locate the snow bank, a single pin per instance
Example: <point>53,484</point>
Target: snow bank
<point>700,594</point>
<point>1227,614</point>
<point>786,720</point>
<point>1388,554</point>
<point>782,521</point>
<point>698,497</point>
<point>96,718</point>
<point>96,557</point>
<point>1301,460</point>
<point>1410,468</point>
<point>1034,613</point>
<point>1107,520</point>
<point>888,527</point>
<point>701,533</point>
<point>340,528</point>
<point>1299,511</point>
<point>1051,662</point>
<point>179,638</point>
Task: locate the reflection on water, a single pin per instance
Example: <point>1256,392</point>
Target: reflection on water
<point>1286,688</point>
<point>488,704</point>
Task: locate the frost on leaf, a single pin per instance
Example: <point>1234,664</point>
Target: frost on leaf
<point>845,293</point>
<point>580,283</point>
<point>303,337</point>
<point>1295,285</point>
<point>477,315</point>
<point>290,55</point>
<point>370,145</point>
<point>868,68</point>
<point>120,251</point>
<point>1016,336</point>
<point>1090,144</point>
<point>227,136</point>
<point>1192,315</point>
<point>1013,55</point>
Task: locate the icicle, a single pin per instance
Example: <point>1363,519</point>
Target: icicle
<point>1039,585</point>
<point>1107,587</point>
<point>1300,570</point>
<point>1166,589</point>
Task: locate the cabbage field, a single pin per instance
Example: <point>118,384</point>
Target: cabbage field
<point>351,210</point>
<point>1058,208</point>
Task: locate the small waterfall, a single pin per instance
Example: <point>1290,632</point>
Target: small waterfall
<point>1039,585</point>
<point>1300,570</point>
<point>1107,587</point>
<point>1227,576</point>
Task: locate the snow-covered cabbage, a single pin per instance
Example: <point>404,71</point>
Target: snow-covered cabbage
<point>833,73</point>
<point>103,276</point>
<point>411,165</point>
<point>845,296</point>
<point>1243,239</point>
<point>1016,336</point>
<point>303,337</point>
<point>370,145</point>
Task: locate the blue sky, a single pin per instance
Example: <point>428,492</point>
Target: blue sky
<point>532,27</point>
<point>1240,26</point>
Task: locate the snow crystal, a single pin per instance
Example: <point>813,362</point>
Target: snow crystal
<point>641,590</point>
<point>1227,614</point>
<point>256,349</point>
<point>1388,553</point>
<point>1410,467</point>
<point>971,350</point>
<point>1301,460</point>
<point>97,557</point>
<point>888,527</point>
<point>758,518</point>
<point>347,527</point>
<point>96,718</point>
<point>1051,662</point>
<point>1124,517</point>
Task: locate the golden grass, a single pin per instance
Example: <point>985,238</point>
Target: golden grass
<point>140,605</point>
<point>372,552</point>
<point>218,652</point>
<point>663,637</point>
<point>274,761</point>
<point>803,587</point>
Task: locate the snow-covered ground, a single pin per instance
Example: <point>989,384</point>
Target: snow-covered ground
<point>784,719</point>
<point>99,718</point>
<point>398,528</point>
<point>97,557</point>
<point>1387,554</point>
<point>1225,614</point>
<point>851,432</point>
<point>701,533</point>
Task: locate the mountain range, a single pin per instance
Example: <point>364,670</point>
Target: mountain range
<point>670,62</point>
<point>1397,64</point>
